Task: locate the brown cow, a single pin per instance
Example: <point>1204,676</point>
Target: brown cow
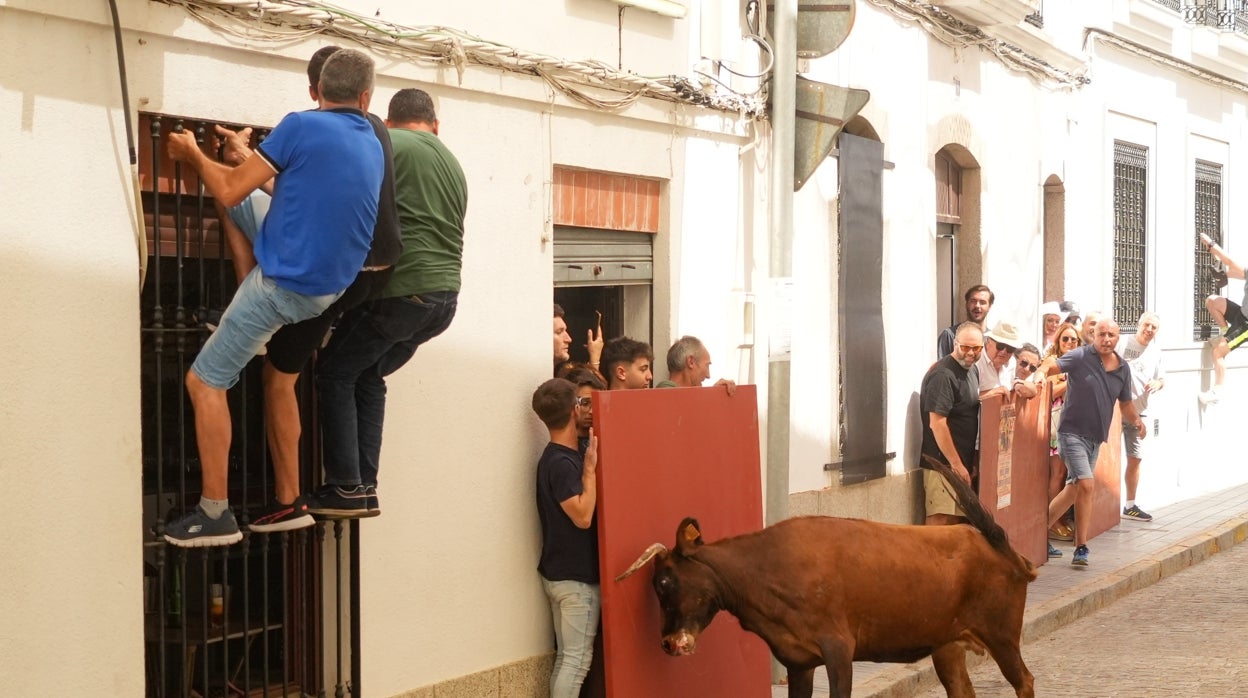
<point>831,591</point>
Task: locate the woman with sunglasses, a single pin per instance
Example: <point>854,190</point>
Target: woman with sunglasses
<point>1067,338</point>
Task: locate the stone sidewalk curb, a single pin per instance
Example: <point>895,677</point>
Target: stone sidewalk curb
<point>904,681</point>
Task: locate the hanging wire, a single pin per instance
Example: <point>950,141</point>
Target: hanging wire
<point>957,34</point>
<point>285,22</point>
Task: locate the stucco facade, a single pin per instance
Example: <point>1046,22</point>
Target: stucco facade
<point>451,592</point>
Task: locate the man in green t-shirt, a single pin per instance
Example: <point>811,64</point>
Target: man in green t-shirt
<point>377,338</point>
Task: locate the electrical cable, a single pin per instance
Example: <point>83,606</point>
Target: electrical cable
<point>1111,39</point>
<point>957,34</point>
<point>751,9</point>
<point>140,235</point>
<point>289,21</point>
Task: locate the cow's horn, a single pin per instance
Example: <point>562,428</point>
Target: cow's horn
<point>647,556</point>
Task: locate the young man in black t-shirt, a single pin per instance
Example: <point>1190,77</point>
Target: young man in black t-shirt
<point>566,502</point>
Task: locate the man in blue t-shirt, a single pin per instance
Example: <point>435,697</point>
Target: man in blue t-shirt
<point>1096,377</point>
<point>328,166</point>
<point>292,345</point>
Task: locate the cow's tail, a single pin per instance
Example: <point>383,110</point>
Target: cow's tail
<point>979,517</point>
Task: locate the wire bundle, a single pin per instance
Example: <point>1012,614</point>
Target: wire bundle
<point>281,22</point>
<point>957,34</point>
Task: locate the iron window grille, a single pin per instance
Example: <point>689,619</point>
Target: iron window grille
<point>1208,221</point>
<point>242,620</point>
<point>1130,226</point>
<point>1225,15</point>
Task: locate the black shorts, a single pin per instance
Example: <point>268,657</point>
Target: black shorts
<point>292,345</point>
<point>1237,325</point>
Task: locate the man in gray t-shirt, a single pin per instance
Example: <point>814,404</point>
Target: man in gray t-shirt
<point>1143,355</point>
<point>1228,315</point>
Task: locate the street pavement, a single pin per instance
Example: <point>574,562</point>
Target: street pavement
<point>1182,637</point>
<point>1200,502</point>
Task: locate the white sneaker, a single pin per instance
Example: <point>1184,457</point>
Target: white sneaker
<point>1208,397</point>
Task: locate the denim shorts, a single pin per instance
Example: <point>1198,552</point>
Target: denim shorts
<point>258,309</point>
<point>250,213</point>
<point>1079,455</point>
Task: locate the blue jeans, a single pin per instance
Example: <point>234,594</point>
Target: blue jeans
<point>372,341</point>
<point>258,309</point>
<point>574,608</point>
<point>249,213</point>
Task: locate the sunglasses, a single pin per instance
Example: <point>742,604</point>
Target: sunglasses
<point>971,348</point>
<point>1028,365</point>
<point>1005,348</point>
<point>585,401</point>
<point>1069,340</point>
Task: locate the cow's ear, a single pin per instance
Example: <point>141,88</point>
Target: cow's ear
<point>688,536</point>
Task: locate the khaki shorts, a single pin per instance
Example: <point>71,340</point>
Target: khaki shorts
<point>938,495</point>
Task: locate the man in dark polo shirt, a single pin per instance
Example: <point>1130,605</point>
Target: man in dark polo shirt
<point>1096,376</point>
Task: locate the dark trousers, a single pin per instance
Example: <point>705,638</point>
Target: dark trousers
<point>372,341</point>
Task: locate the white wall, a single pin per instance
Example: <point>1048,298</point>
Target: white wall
<point>941,97</point>
<point>69,424</point>
<point>456,551</point>
<point>449,580</point>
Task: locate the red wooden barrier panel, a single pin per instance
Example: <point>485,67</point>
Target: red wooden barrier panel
<point>1014,469</point>
<point>663,455</point>
<point>1015,487</point>
<point>1106,502</point>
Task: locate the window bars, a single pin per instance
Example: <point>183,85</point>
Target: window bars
<point>1226,15</point>
<point>1208,221</point>
<point>242,620</point>
<point>1130,220</point>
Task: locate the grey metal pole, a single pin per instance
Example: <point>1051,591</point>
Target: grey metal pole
<point>780,238</point>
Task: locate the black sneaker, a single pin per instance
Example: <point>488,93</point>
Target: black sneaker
<point>334,502</point>
<point>374,504</point>
<point>198,530</point>
<point>282,517</point>
<point>1135,513</point>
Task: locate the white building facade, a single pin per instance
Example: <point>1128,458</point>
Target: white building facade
<point>450,596</point>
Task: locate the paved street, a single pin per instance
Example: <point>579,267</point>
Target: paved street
<point>1208,518</point>
<point>1180,637</point>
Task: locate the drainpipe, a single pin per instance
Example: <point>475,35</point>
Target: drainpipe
<point>780,255</point>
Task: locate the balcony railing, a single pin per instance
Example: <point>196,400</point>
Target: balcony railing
<point>1226,15</point>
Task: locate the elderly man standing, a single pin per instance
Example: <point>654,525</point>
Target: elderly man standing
<point>1147,377</point>
<point>949,409</point>
<point>689,366</point>
<point>1096,377</point>
<point>993,365</point>
<point>1087,332</point>
<point>979,300</point>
